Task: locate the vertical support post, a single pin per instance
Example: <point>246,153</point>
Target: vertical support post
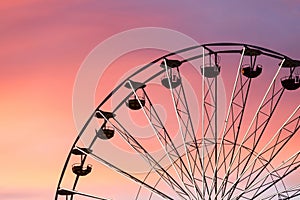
<point>202,123</point>
<point>216,134</point>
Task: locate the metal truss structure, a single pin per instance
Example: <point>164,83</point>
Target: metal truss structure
<point>247,152</point>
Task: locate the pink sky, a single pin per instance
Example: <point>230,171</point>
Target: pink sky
<point>43,44</point>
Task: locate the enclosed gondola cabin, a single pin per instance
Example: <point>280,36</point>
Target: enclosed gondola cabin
<point>290,82</point>
<point>251,72</point>
<point>210,71</point>
<point>105,133</point>
<point>175,81</point>
<point>137,100</point>
<point>135,103</point>
<point>80,170</point>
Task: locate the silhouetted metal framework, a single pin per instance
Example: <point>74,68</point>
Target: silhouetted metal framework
<point>238,164</point>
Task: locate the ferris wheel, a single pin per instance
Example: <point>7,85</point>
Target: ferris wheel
<point>213,121</point>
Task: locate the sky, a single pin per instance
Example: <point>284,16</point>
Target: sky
<point>44,43</point>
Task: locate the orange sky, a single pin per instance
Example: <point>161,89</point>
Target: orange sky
<point>43,44</point>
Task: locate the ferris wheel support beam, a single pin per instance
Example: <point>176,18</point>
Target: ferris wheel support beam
<point>289,193</point>
<point>233,102</point>
<point>236,114</point>
<point>210,120</point>
<point>280,143</point>
<point>228,171</point>
<point>185,126</point>
<point>204,182</point>
<point>129,139</point>
<point>166,142</point>
<point>213,127</point>
<point>256,121</point>
<point>207,177</point>
<point>286,168</point>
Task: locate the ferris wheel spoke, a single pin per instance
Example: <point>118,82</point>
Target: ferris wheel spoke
<point>237,111</point>
<point>165,140</point>
<point>157,182</point>
<point>207,177</point>
<point>238,88</point>
<point>129,139</point>
<point>277,143</point>
<point>273,177</point>
<point>259,123</point>
<point>210,131</point>
<point>274,146</point>
<point>254,138</point>
<point>185,124</point>
<point>127,175</point>
<point>289,193</point>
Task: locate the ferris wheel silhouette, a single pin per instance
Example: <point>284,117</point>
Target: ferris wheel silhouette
<point>244,148</point>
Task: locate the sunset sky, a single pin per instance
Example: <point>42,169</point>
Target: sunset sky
<point>44,43</point>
